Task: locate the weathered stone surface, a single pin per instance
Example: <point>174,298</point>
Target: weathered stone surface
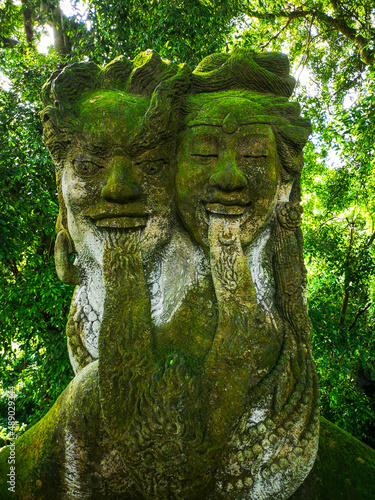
<point>68,454</point>
<point>188,330</point>
<point>344,468</point>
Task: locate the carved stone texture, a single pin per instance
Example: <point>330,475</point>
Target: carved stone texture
<point>179,197</point>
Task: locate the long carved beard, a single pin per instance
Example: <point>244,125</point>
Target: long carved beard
<point>151,408</point>
<point>222,429</point>
<point>275,443</point>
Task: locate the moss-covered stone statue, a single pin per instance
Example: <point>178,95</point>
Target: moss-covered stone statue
<point>188,332</point>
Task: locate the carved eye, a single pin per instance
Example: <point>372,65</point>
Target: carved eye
<point>154,167</point>
<point>251,157</point>
<point>205,158</point>
<point>254,158</point>
<point>86,168</point>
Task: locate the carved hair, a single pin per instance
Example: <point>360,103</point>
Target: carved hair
<point>147,76</point>
<point>266,81</point>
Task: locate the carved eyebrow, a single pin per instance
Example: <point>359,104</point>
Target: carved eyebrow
<point>98,149</point>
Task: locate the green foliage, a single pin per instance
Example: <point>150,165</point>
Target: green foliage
<point>340,257</point>
<point>34,303</point>
<point>185,30</point>
<point>10,19</point>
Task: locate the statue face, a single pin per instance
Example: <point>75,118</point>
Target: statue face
<point>110,180</point>
<point>232,175</point>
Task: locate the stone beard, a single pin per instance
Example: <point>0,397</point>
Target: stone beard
<point>190,281</point>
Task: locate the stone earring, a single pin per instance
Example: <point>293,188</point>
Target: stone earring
<point>67,272</point>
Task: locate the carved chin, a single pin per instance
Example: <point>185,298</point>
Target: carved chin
<point>250,221</point>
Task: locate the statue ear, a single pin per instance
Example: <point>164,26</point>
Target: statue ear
<point>67,272</point>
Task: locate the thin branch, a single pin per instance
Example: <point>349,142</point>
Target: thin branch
<point>360,311</point>
<point>370,240</point>
<point>343,10</point>
<point>277,34</point>
<point>345,301</point>
<point>306,54</point>
<point>8,43</point>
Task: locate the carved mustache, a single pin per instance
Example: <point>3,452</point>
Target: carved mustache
<point>126,210</point>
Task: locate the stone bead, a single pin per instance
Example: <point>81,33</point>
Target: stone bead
<point>298,451</point>
<point>234,469</point>
<point>265,444</point>
<point>257,449</point>
<point>239,485</point>
<point>272,438</point>
<point>283,463</point>
<point>92,317</point>
<point>266,473</point>
<point>274,468</point>
<point>270,423</point>
<point>262,428</point>
<point>87,309</point>
<point>248,482</point>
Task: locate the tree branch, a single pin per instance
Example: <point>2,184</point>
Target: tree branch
<point>360,311</point>
<point>59,25</point>
<point>27,21</point>
<point>345,301</point>
<point>338,23</point>
<point>277,34</point>
<point>8,43</point>
<point>370,240</point>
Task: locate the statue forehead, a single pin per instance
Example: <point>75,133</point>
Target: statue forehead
<point>232,109</point>
<point>230,128</point>
<point>113,115</point>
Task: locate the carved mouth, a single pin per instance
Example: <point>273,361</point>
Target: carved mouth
<point>118,215</point>
<point>224,208</point>
<point>125,221</point>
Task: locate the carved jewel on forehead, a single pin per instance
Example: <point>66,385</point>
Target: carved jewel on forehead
<point>230,124</point>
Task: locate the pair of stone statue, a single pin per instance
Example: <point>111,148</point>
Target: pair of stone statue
<point>188,330</point>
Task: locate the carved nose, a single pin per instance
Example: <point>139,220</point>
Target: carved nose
<point>228,177</point>
<point>122,185</point>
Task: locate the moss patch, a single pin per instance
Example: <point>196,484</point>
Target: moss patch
<point>344,468</point>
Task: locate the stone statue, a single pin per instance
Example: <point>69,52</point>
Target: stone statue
<point>188,331</point>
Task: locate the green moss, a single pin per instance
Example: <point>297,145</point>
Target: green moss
<point>40,451</point>
<point>110,115</point>
<point>248,107</point>
<point>344,468</point>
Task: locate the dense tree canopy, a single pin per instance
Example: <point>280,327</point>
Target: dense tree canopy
<point>331,44</point>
